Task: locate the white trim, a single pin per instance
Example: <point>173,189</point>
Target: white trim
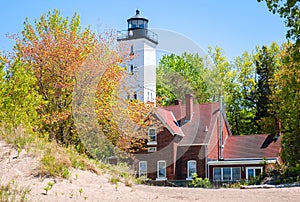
<point>161,178</point>
<point>249,159</point>
<point>246,162</point>
<point>177,124</point>
<point>165,168</point>
<point>140,168</point>
<point>188,169</point>
<point>184,145</point>
<point>152,143</point>
<point>249,167</point>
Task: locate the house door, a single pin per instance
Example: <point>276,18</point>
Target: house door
<point>252,172</point>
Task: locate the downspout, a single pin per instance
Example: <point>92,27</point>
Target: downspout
<point>221,136</point>
<point>206,166</point>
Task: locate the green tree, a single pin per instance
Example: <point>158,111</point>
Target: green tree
<point>220,75</point>
<point>267,62</point>
<point>2,74</point>
<point>178,75</point>
<point>289,10</point>
<point>20,98</point>
<point>286,80</point>
<point>241,108</point>
<point>236,82</point>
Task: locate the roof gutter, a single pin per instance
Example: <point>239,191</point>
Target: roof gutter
<point>241,162</point>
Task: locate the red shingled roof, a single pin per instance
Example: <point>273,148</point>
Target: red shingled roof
<point>251,146</point>
<point>204,115</point>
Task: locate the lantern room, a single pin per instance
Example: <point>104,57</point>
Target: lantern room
<point>137,22</point>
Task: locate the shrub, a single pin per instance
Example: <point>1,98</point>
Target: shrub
<point>292,174</point>
<point>199,182</point>
<point>114,180</point>
<point>55,163</point>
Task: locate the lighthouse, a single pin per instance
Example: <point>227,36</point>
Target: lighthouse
<point>141,69</point>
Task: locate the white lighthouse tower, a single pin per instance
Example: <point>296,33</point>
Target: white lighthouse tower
<point>142,68</point>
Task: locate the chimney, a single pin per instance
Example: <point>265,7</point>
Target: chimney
<point>277,127</point>
<point>177,102</point>
<point>189,107</point>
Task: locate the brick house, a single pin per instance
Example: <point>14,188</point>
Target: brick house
<point>188,140</point>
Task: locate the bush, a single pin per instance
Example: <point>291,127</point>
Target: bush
<point>292,174</point>
<point>199,182</point>
<point>55,162</point>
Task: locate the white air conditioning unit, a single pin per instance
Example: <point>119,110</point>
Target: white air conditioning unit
<point>151,149</point>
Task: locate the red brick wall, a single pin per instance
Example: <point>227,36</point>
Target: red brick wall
<point>187,153</point>
<point>165,151</point>
<point>213,147</point>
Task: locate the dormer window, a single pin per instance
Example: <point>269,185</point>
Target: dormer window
<point>152,137</point>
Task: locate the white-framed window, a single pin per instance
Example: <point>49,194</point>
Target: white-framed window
<point>151,149</point>
<point>161,170</point>
<point>191,169</point>
<point>236,173</point>
<point>227,174</point>
<point>252,172</point>
<point>217,174</point>
<point>152,137</point>
<point>142,168</point>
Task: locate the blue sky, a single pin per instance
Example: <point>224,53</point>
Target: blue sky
<point>234,25</point>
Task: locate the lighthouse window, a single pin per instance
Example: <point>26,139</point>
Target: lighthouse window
<point>131,69</point>
<point>134,23</point>
<point>140,23</point>
<point>131,50</point>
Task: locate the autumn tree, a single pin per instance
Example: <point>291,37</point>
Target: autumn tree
<point>286,94</point>
<point>123,122</point>
<point>53,48</point>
